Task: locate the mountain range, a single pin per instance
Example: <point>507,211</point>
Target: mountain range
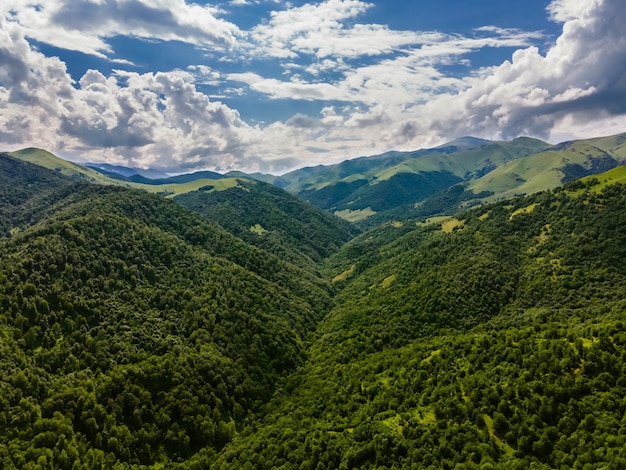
<point>396,185</point>
<point>229,323</point>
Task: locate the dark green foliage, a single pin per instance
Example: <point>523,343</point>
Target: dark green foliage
<point>290,228</point>
<point>402,189</point>
<point>134,332</point>
<point>498,343</point>
<point>331,196</point>
<point>25,191</point>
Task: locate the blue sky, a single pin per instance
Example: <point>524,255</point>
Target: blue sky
<point>272,85</point>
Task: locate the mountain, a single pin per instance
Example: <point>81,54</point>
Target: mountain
<point>358,168</point>
<point>396,185</point>
<point>366,189</point>
<point>272,219</point>
<point>48,160</point>
<point>278,181</point>
<point>135,333</point>
<point>401,185</point>
<point>493,339</point>
<point>126,171</point>
<point>547,169</point>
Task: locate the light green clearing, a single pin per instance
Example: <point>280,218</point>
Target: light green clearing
<point>433,354</point>
<point>258,229</point>
<point>355,216</point>
<point>175,189</point>
<point>523,210</point>
<point>388,281</point>
<point>449,225</point>
<point>433,220</point>
<point>393,424</point>
<point>614,176</point>
<point>344,275</point>
<point>499,442</point>
<point>426,417</point>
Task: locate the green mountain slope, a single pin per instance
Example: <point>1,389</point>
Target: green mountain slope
<point>364,168</point>
<point>381,188</point>
<point>52,162</point>
<point>137,334</point>
<point>429,182</point>
<point>490,340</point>
<point>272,219</point>
<point>545,170</point>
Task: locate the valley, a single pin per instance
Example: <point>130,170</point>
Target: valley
<point>469,313</point>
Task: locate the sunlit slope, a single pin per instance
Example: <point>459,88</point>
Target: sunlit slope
<point>368,168</point>
<point>52,162</point>
<point>84,173</point>
<point>544,170</point>
<point>396,183</point>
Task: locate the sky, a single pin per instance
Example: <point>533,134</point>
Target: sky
<point>275,85</point>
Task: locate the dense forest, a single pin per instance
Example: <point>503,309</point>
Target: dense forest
<point>134,332</point>
<point>270,218</point>
<point>495,339</point>
<point>138,333</point>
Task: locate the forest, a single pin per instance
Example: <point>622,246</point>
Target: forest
<point>141,332</point>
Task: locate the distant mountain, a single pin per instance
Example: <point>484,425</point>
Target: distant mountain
<point>73,170</point>
<point>126,171</point>
<point>278,181</point>
<point>365,168</point>
<point>375,189</point>
<point>395,185</point>
<point>401,185</point>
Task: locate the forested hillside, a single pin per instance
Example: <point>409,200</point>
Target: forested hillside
<point>135,333</point>
<point>272,219</point>
<point>495,338</point>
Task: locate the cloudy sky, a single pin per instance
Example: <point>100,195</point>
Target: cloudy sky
<point>272,85</point>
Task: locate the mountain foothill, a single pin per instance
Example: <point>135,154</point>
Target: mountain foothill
<point>457,307</point>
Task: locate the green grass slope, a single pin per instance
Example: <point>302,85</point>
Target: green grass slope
<point>545,170</point>
<point>168,187</point>
<point>48,160</point>
<point>390,187</point>
<point>491,340</point>
<point>135,334</point>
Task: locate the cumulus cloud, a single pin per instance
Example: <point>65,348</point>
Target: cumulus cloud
<point>84,25</point>
<point>576,88</point>
<point>582,77</point>
<point>152,119</point>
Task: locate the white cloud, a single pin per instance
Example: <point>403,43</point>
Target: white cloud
<point>562,11</point>
<point>408,76</point>
<point>84,25</point>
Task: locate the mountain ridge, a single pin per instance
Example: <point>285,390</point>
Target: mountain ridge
<point>422,183</point>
